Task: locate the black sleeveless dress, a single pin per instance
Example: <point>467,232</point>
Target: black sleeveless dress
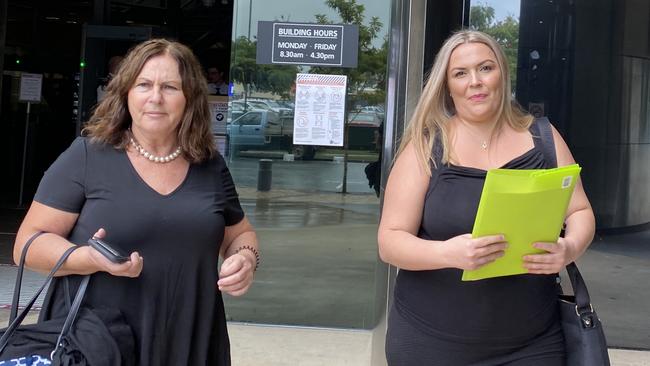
<point>437,319</point>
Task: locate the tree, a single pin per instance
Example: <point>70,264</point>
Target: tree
<point>481,17</point>
<point>366,82</point>
<point>276,79</point>
<point>505,31</point>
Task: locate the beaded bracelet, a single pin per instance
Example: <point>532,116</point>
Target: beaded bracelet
<point>254,251</point>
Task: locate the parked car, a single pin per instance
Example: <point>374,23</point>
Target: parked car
<point>374,109</point>
<point>239,106</point>
<point>364,119</point>
<point>262,129</point>
<point>362,127</point>
<point>270,104</point>
<point>287,103</point>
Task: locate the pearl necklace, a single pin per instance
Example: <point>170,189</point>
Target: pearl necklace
<point>154,158</point>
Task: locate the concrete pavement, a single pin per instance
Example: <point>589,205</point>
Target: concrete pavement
<point>255,345</point>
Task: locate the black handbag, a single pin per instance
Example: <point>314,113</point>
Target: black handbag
<point>97,337</point>
<point>583,332</point>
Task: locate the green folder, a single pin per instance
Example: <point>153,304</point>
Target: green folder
<point>526,206</point>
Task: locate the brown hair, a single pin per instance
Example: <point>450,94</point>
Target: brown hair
<point>435,107</point>
<point>111,119</point>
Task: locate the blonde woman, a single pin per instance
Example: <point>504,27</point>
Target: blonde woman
<point>464,124</point>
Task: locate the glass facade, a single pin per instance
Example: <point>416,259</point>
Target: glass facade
<point>585,64</point>
<point>582,64</point>
<point>317,223</point>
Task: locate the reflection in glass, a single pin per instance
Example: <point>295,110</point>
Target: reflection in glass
<point>318,245</point>
<point>500,19</point>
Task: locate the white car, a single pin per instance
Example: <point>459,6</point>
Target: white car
<point>364,119</point>
<point>271,105</point>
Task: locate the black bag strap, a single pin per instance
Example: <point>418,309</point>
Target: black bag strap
<point>72,315</point>
<point>19,276</point>
<point>543,127</point>
<point>15,323</point>
<point>580,292</point>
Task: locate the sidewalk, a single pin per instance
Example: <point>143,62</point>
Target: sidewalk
<point>255,345</point>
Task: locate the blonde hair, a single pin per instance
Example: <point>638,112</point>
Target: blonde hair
<point>111,119</point>
<point>435,107</point>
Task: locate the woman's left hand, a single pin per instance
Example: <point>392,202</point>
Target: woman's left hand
<point>556,258</point>
<point>236,274</point>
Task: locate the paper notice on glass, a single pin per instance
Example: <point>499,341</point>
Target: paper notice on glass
<point>218,113</point>
<point>319,116</point>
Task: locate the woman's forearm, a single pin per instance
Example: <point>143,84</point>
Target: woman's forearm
<point>406,251</point>
<point>46,250</point>
<point>580,228</point>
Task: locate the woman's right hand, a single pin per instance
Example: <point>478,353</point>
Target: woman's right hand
<point>469,254</point>
<point>130,268</point>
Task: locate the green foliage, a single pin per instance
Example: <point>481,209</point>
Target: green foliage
<point>505,31</point>
<point>276,79</point>
<point>366,82</point>
<point>481,17</point>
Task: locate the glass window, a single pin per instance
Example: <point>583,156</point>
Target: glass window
<point>317,224</point>
<point>500,19</point>
<point>250,118</point>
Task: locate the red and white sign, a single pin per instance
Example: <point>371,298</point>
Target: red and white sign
<point>319,116</point>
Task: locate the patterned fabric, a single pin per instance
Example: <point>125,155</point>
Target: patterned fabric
<point>27,361</point>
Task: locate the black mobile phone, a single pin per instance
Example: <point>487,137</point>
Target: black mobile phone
<point>108,251</point>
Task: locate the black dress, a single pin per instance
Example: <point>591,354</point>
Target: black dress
<point>437,319</point>
<point>174,307</point>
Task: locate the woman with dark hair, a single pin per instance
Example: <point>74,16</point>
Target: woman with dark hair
<point>146,177</point>
<point>466,123</point>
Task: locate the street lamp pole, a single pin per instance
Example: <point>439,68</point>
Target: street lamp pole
<point>250,16</point>
<point>250,19</point>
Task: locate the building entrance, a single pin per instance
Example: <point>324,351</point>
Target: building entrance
<point>70,44</point>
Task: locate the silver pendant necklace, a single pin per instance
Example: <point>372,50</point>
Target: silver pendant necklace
<point>484,143</point>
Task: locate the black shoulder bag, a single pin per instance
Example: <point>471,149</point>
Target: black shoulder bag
<point>584,337</point>
<point>97,337</point>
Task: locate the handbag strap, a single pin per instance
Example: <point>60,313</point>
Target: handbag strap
<point>72,315</point>
<point>543,127</point>
<point>580,292</point>
<point>4,340</point>
<point>19,276</point>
